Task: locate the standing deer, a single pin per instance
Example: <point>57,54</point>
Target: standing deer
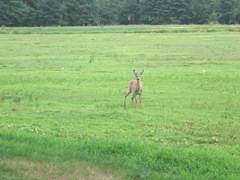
<point>136,87</point>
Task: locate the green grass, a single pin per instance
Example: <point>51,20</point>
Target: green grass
<point>62,92</point>
<point>153,161</point>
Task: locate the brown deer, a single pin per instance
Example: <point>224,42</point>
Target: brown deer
<point>136,87</point>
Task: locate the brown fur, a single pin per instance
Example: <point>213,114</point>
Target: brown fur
<point>136,87</point>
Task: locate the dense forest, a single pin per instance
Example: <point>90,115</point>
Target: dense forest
<point>109,12</point>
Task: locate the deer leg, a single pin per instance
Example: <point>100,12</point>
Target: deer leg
<point>126,97</point>
<point>134,96</point>
<point>140,100</point>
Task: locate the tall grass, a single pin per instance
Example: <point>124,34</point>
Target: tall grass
<point>139,160</point>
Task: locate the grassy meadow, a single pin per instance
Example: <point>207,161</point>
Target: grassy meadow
<point>62,92</point>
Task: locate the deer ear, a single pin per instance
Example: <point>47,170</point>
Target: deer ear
<point>134,73</point>
<point>142,72</point>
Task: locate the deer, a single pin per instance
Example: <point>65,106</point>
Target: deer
<point>136,87</point>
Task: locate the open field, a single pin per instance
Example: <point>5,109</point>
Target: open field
<point>62,92</point>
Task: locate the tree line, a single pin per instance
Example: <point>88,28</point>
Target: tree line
<point>17,13</point>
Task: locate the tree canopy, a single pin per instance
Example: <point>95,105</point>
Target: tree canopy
<point>108,12</point>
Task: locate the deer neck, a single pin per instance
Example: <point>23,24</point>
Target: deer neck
<point>138,84</point>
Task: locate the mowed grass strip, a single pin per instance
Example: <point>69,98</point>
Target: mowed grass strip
<point>72,86</point>
<point>121,29</point>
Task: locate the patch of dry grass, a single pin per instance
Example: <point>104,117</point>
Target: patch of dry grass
<point>51,171</point>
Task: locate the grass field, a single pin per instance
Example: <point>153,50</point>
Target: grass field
<point>61,103</point>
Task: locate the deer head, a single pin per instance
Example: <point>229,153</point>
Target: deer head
<point>138,76</point>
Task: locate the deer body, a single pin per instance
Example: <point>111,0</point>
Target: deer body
<point>136,87</point>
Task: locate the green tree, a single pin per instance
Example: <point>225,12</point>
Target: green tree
<point>200,11</point>
<point>108,11</point>
<point>130,12</point>
<point>229,11</point>
<point>154,11</point>
<point>34,12</point>
<point>69,13</point>
<point>13,13</point>
<point>50,12</point>
<point>87,10</point>
<point>181,11</point>
<point>3,13</point>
